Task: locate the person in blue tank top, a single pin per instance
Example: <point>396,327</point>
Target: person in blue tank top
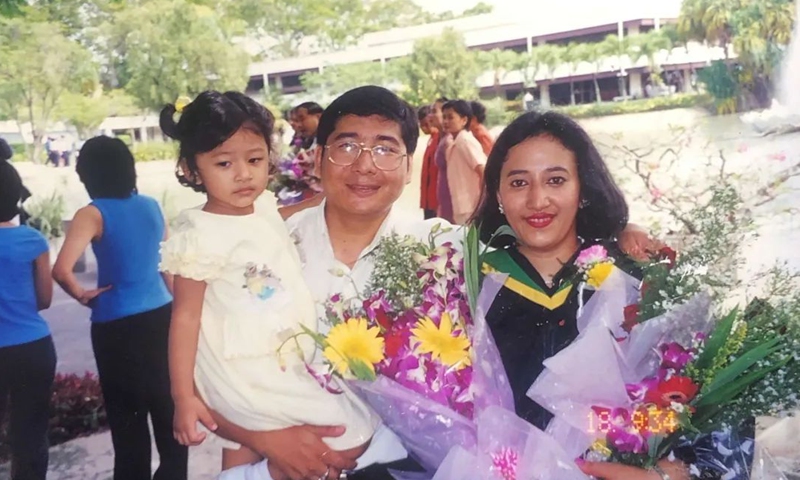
<point>131,308</point>
<point>27,354</point>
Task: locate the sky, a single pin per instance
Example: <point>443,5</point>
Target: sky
<point>666,8</point>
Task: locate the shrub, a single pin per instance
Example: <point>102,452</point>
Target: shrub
<point>76,410</point>
<point>154,151</point>
<point>636,106</point>
<point>47,215</point>
<point>76,407</point>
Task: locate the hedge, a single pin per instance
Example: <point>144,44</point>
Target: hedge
<point>637,106</point>
<point>153,151</point>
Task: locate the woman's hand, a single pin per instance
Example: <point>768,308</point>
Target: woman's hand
<point>616,471</point>
<point>300,453</point>
<point>87,296</point>
<point>637,243</point>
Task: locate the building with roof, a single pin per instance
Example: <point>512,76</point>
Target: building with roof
<point>520,32</point>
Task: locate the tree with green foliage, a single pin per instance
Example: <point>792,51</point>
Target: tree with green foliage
<point>648,45</point>
<point>758,31</point>
<point>617,48</point>
<point>574,54</point>
<point>39,66</point>
<point>337,79</point>
<point>333,24</point>
<point>87,112</point>
<point>438,66</point>
<point>499,61</point>
<point>166,49</point>
<point>528,64</point>
<point>550,56</point>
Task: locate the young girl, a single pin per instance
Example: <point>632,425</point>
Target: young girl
<point>239,291</point>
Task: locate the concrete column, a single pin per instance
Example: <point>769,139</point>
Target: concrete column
<point>143,134</point>
<point>265,78</point>
<point>657,23</point>
<point>687,80</point>
<point>620,30</point>
<point>529,44</point>
<point>636,85</point>
<point>544,94</point>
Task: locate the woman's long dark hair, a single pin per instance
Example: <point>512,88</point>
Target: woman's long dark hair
<point>604,212</point>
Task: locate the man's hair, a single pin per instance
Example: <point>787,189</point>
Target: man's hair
<point>312,108</point>
<point>367,101</point>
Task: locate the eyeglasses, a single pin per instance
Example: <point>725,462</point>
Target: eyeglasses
<point>384,157</point>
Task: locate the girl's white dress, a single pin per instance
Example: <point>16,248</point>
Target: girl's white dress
<point>255,299</point>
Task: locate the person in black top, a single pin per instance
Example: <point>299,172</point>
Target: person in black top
<point>6,153</point>
<point>547,181</point>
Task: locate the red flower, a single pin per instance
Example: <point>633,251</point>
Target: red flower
<point>631,314</point>
<point>677,389</point>
<point>668,254</point>
<point>394,342</point>
<point>382,318</point>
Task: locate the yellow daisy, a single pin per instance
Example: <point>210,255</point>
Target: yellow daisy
<point>353,341</point>
<point>598,274</point>
<point>441,343</point>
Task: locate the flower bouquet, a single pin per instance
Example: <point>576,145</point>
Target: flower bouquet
<point>681,384</point>
<point>294,178</point>
<point>406,345</point>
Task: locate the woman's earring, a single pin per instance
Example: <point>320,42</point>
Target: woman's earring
<point>502,210</point>
<point>584,204</point>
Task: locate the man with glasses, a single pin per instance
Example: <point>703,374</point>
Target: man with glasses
<point>367,138</point>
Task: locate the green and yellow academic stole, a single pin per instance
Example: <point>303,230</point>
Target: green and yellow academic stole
<point>519,282</point>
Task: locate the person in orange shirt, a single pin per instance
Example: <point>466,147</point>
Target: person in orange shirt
<point>476,126</point>
<point>430,172</point>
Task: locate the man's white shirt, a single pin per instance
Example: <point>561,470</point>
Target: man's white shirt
<point>326,276</point>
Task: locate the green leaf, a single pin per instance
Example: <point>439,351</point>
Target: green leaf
<point>717,340</point>
<point>653,444</point>
<point>361,370</point>
<point>732,371</point>
<point>728,393</point>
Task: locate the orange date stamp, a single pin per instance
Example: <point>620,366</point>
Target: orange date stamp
<point>656,421</point>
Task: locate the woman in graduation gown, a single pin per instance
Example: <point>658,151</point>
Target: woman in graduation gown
<point>547,181</point>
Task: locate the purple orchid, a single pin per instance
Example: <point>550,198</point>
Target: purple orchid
<point>674,356</point>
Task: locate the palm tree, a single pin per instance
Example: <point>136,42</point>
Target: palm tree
<point>598,54</point>
<point>614,46</point>
<point>648,45</point>
<point>500,62</point>
<point>575,54</point>
<point>709,20</point>
<point>528,64</point>
<point>550,56</point>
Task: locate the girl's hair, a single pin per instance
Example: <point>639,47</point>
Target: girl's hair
<point>5,150</point>
<point>106,168</point>
<point>461,107</point>
<point>605,212</point>
<point>210,120</point>
<point>10,191</point>
<point>478,111</point>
